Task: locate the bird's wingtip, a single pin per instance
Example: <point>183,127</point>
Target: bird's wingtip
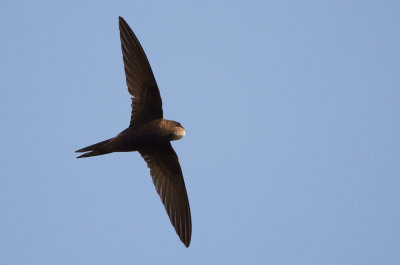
<point>186,242</point>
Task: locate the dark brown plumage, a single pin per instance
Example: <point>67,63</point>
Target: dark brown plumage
<point>150,134</point>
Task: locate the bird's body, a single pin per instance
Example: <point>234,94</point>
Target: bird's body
<point>133,138</point>
<point>150,134</point>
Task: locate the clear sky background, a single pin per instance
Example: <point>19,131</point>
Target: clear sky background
<point>292,152</point>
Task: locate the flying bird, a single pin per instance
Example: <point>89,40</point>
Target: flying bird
<point>150,134</point>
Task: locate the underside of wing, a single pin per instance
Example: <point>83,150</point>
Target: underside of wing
<point>146,99</point>
<point>168,180</point>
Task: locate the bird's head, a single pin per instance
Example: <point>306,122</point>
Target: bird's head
<point>178,132</point>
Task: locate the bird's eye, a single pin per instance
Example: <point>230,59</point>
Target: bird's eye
<point>178,124</point>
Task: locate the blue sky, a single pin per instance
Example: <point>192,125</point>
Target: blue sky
<point>292,151</point>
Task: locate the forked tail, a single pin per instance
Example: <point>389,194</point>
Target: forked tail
<point>101,148</point>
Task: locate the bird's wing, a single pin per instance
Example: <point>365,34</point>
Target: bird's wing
<point>168,180</point>
<point>146,99</point>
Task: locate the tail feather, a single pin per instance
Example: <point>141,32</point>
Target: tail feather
<point>101,148</point>
<point>93,153</point>
<point>93,146</point>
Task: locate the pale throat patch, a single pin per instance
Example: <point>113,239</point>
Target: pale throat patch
<point>178,134</point>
